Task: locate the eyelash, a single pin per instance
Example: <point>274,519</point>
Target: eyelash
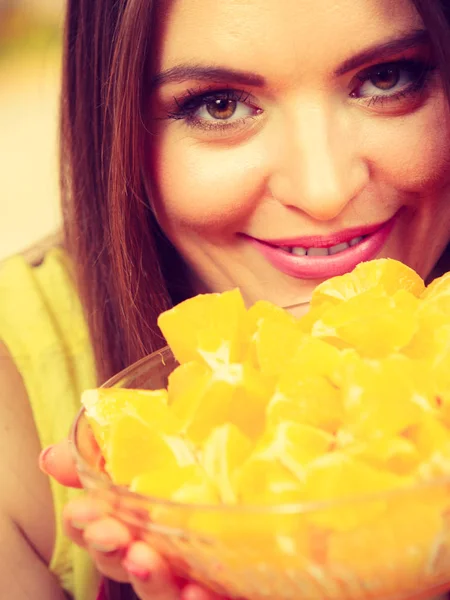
<point>193,100</point>
<point>418,70</point>
<point>187,105</point>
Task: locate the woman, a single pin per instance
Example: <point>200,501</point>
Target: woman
<point>268,145</point>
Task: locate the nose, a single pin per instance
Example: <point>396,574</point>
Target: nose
<point>320,167</point>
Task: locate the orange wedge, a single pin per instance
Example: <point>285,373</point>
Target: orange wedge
<point>105,406</point>
<point>209,324</point>
<point>134,447</point>
<point>222,454</point>
<point>384,275</point>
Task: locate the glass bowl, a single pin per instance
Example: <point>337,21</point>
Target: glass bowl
<point>389,545</point>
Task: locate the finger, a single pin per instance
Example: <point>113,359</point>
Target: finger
<point>193,591</point>
<point>149,574</point>
<point>81,512</point>
<point>57,461</point>
<point>107,541</point>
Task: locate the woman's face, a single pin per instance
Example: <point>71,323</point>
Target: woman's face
<point>292,139</point>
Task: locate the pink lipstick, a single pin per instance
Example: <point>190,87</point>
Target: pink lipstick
<point>322,257</point>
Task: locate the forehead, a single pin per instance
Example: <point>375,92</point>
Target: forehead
<point>275,36</point>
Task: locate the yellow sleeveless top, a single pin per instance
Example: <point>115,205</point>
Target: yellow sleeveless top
<point>42,325</point>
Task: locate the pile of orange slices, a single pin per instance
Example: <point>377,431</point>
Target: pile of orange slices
<point>267,409</point>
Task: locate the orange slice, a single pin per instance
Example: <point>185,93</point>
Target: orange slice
<point>338,476</point>
<point>276,342</point>
<point>437,294</point>
<point>105,406</point>
<point>408,531</point>
<point>164,482</point>
<point>222,454</point>
<point>293,445</point>
<point>385,275</point>
<point>206,324</point>
<point>266,482</point>
<point>306,400</point>
<point>427,342</point>
<point>396,454</point>
<point>430,437</point>
<point>314,357</point>
<point>210,397</point>
<point>135,447</point>
<point>373,324</point>
<point>187,384</point>
<point>380,398</point>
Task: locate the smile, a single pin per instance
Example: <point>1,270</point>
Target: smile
<point>325,251</point>
<point>325,257</point>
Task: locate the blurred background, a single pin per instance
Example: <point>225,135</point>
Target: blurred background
<point>30,53</point>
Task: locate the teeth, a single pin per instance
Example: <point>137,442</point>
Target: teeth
<point>317,251</point>
<point>322,251</point>
<point>356,240</point>
<point>338,248</point>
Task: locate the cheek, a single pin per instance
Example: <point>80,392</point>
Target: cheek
<point>413,154</point>
<point>203,186</point>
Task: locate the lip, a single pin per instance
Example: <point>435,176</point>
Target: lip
<point>326,241</point>
<point>324,267</point>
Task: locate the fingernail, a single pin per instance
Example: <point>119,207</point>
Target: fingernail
<point>140,573</point>
<point>43,458</point>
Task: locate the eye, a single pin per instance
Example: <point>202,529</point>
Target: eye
<point>391,80</point>
<point>222,108</point>
<point>387,78</point>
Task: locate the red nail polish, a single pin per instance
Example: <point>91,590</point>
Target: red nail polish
<point>43,457</point>
<point>140,573</point>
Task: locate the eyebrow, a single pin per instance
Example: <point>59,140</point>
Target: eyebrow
<point>197,72</point>
<point>189,72</point>
<point>380,52</point>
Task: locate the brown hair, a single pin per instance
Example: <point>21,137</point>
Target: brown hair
<point>126,269</point>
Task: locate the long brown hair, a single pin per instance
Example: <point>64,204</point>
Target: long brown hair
<point>127,271</point>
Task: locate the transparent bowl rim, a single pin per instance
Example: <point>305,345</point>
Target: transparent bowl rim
<point>308,507</point>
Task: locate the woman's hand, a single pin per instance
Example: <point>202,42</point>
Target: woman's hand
<point>117,554</point>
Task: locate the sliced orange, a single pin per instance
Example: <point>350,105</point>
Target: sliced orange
<point>222,454</point>
<point>438,293</point>
<point>164,482</point>
<point>407,531</point>
<point>276,342</point>
<point>104,406</point>
<point>229,393</point>
<point>262,481</point>
<point>397,454</point>
<point>293,445</point>
<point>208,324</point>
<point>187,384</point>
<point>336,476</point>
<point>194,491</point>
<point>440,364</point>
<point>430,436</point>
<point>135,447</point>
<point>307,321</point>
<point>263,311</point>
<point>384,274</point>
<point>313,357</point>
<point>427,342</point>
<point>373,324</point>
<point>380,398</point>
<point>306,400</point>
